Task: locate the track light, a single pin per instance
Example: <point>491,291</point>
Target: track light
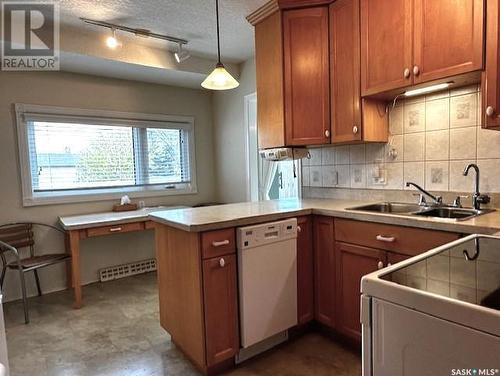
<point>111,41</point>
<point>181,54</point>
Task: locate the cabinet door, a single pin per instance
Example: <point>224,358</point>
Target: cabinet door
<point>491,84</point>
<point>221,313</point>
<point>447,38</point>
<point>344,71</point>
<point>307,84</point>
<point>394,258</point>
<point>305,270</point>
<point>324,271</point>
<point>386,45</point>
<point>352,263</point>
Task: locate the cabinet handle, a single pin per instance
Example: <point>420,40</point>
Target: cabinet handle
<point>406,73</point>
<point>387,239</point>
<point>416,70</point>
<point>380,265</point>
<point>115,229</point>
<point>222,262</point>
<point>327,133</point>
<point>490,111</point>
<point>299,229</point>
<point>220,244</point>
<point>355,129</point>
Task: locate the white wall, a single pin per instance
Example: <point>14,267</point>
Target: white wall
<point>229,136</point>
<point>83,91</point>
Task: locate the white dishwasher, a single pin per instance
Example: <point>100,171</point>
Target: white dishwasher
<point>267,277</point>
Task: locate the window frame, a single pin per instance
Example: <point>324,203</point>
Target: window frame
<point>105,117</point>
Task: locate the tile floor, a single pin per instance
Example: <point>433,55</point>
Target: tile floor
<point>117,333</point>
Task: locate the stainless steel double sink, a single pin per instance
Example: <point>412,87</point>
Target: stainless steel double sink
<point>399,208</point>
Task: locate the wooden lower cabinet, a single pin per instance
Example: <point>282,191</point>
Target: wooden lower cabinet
<point>324,270</point>
<point>352,263</point>
<point>221,309</point>
<point>198,297</point>
<point>305,270</point>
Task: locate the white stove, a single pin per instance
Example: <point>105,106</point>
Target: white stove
<point>435,314</point>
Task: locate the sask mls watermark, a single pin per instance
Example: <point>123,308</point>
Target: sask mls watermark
<point>30,35</point>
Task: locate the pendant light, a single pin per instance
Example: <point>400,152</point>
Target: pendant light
<point>220,78</point>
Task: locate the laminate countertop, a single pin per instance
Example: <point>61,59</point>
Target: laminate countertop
<point>248,213</point>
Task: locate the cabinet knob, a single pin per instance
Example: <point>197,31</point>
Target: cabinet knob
<point>299,229</point>
<point>416,70</point>
<point>380,265</point>
<point>490,111</point>
<point>222,262</point>
<point>389,264</point>
<point>327,133</point>
<point>355,129</point>
<point>406,73</point>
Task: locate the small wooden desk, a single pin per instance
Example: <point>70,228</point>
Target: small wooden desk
<point>80,227</point>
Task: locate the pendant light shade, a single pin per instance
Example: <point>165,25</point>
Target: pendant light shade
<point>220,78</point>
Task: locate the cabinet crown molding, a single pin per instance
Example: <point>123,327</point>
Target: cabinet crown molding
<point>275,5</point>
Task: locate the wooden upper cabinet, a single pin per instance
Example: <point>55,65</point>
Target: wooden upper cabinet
<point>344,71</point>
<point>352,118</point>
<point>221,308</point>
<point>386,45</point>
<point>447,38</point>
<point>305,270</point>
<point>306,72</point>
<point>352,263</point>
<point>324,270</point>
<point>269,68</point>
<point>491,84</point>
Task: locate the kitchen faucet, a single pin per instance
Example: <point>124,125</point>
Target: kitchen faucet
<point>438,200</point>
<point>477,198</point>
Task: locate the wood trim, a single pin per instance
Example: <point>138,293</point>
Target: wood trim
<point>375,120</point>
<point>178,255</point>
<point>263,12</point>
<point>292,4</point>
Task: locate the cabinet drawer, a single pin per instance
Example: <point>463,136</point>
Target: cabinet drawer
<point>218,243</point>
<point>404,240</point>
<point>107,230</point>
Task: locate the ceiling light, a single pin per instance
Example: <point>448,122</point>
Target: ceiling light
<point>111,41</point>
<point>220,78</point>
<point>428,89</point>
<point>181,54</point>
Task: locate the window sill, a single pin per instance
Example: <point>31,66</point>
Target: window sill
<point>51,198</point>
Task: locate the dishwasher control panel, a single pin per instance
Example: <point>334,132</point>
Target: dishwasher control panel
<point>257,235</point>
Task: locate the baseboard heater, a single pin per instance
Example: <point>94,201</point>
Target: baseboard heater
<point>125,270</point>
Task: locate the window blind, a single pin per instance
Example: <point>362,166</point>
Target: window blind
<point>80,155</point>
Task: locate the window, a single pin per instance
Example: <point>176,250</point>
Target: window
<point>80,155</point>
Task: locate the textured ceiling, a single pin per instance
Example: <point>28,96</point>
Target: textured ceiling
<point>193,20</point>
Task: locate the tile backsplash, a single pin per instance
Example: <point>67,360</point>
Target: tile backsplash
<point>432,138</point>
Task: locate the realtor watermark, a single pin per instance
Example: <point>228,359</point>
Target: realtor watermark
<point>30,36</point>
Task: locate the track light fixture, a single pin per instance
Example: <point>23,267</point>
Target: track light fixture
<point>112,42</point>
<point>181,54</point>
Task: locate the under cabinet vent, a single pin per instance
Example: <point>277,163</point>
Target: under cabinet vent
<point>126,270</point>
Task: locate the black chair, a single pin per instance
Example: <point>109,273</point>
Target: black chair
<point>14,236</point>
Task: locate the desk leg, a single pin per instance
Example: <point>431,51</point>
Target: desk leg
<point>74,244</point>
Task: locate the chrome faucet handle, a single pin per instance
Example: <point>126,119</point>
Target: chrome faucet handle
<point>457,203</point>
<point>421,199</point>
<point>483,199</point>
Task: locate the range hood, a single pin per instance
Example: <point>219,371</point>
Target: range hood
<point>284,154</point>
